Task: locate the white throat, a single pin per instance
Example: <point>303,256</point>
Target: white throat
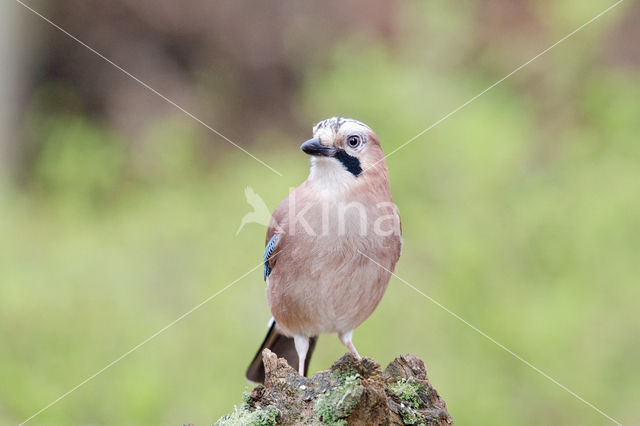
<point>329,176</point>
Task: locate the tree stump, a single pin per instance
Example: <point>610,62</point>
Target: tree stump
<point>352,392</point>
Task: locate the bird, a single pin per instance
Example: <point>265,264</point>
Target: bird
<point>331,245</point>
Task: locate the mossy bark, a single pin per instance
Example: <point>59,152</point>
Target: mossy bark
<point>353,392</point>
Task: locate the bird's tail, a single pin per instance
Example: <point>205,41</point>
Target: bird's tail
<point>283,347</point>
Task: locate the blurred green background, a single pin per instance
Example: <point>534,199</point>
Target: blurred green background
<point>118,213</point>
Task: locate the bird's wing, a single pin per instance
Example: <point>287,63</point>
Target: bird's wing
<point>276,233</point>
<point>268,251</point>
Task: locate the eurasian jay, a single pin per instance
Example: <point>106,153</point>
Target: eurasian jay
<point>319,241</point>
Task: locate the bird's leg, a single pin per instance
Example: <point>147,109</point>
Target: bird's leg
<point>302,346</point>
<point>345,338</point>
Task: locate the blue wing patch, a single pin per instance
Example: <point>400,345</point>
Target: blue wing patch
<point>268,251</point>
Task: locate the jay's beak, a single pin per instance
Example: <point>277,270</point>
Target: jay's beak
<point>314,147</point>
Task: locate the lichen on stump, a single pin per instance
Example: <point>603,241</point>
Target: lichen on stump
<point>353,392</point>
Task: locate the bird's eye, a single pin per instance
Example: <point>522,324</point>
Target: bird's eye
<point>353,141</point>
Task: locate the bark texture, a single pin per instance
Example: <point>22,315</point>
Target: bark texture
<point>352,392</point>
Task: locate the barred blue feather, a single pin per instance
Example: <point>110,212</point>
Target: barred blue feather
<point>268,251</point>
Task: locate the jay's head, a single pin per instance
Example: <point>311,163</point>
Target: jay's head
<point>344,152</point>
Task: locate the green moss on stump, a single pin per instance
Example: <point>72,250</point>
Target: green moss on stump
<point>334,406</point>
<point>244,417</point>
